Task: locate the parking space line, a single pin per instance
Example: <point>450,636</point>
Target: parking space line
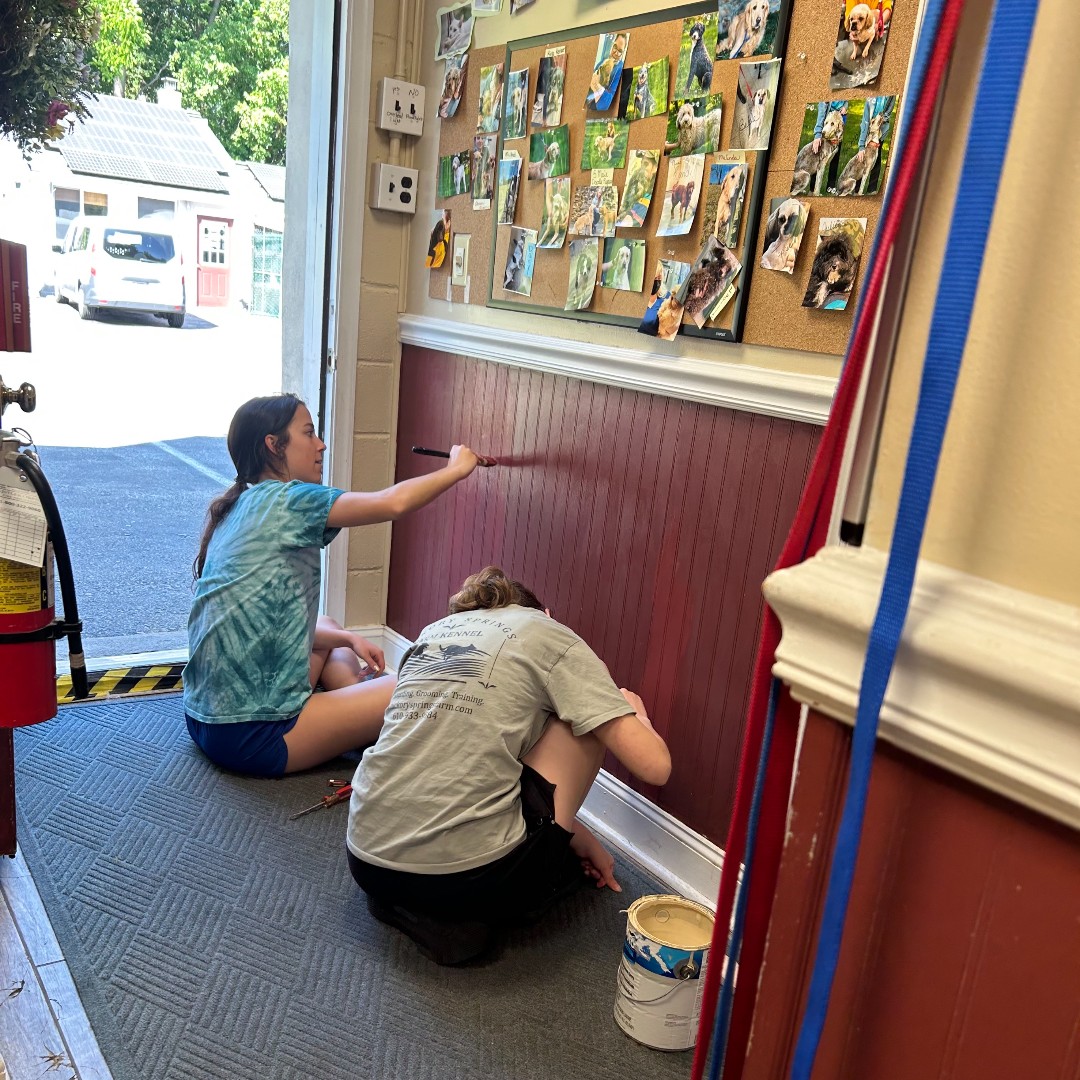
<point>196,465</point>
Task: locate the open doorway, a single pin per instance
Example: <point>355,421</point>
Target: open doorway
<point>137,382</point>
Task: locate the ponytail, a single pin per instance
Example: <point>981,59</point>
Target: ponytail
<point>491,588</point>
<point>253,458</point>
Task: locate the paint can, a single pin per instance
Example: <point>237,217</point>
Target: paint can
<point>662,971</point>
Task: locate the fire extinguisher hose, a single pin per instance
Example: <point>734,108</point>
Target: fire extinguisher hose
<point>71,626</point>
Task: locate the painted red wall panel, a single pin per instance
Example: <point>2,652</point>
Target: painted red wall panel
<point>644,522</point>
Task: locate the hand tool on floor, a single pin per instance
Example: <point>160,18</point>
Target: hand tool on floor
<point>342,791</point>
<point>482,459</point>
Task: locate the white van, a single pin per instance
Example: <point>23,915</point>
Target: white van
<point>109,265</point>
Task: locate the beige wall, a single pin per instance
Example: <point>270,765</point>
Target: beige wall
<point>1005,506</point>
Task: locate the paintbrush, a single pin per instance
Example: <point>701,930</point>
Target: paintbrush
<point>481,459</point>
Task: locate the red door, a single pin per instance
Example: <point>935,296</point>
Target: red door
<point>215,243</point>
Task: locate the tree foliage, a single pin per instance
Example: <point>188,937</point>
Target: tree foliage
<point>230,58</point>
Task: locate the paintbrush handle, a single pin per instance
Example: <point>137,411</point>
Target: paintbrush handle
<point>483,460</point>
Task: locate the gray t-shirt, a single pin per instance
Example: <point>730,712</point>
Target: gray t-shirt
<point>440,790</point>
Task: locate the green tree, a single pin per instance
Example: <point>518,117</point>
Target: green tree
<point>118,56</point>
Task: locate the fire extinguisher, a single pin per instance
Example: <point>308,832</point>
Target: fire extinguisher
<point>28,624</point>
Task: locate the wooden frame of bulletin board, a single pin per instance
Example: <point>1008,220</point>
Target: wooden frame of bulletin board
<point>767,308</point>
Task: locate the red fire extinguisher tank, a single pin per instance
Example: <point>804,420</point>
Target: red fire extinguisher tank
<point>27,668</point>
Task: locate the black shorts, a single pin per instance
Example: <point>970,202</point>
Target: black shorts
<point>514,890</point>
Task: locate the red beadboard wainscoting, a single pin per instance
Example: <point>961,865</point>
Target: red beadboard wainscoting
<point>645,523</point>
<point>961,949</point>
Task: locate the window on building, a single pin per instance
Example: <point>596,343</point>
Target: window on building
<point>95,204</point>
<point>162,207</point>
<point>266,272</point>
<point>67,204</point>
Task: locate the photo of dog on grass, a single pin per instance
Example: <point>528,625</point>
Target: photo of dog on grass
<point>638,190</point>
<point>860,43</point>
<point>604,144</point>
<point>455,174</point>
<point>517,105</point>
<point>556,213</point>
<point>583,258</point>
<point>697,48</point>
<point>865,146</point>
<point>483,170</point>
<point>746,28</point>
<point>682,195</point>
<point>593,210</point>
<point>549,153</point>
<point>694,125</point>
<point>491,95</point>
<point>623,267</point>
<point>819,143</point>
<point>644,90</point>
<point>836,262</point>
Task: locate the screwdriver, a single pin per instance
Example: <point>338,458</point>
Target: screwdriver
<point>340,795</point>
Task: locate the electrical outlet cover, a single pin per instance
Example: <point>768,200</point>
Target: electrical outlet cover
<point>393,187</point>
<point>401,107</point>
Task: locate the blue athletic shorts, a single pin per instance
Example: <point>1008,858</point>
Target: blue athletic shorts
<point>252,747</point>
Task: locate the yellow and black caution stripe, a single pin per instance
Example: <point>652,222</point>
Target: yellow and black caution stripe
<point>123,681</point>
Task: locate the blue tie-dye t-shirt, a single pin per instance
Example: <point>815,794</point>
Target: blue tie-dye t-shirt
<point>252,622</point>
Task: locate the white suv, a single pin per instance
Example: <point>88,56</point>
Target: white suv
<point>107,265</point>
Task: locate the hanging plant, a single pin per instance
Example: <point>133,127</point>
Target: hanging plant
<point>44,78</point>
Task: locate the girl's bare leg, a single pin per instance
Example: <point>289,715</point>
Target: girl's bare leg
<point>338,720</point>
<point>571,763</point>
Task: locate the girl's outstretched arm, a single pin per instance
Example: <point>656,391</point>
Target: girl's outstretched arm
<point>371,507</point>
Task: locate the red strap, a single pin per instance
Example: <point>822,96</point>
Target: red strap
<point>807,536</point>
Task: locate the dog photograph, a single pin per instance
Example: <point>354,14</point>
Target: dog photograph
<point>724,197</point>
<point>517,5</point>
<point>623,267</point>
<point>681,196</point>
<point>520,258</point>
<point>864,149</point>
<point>491,94</point>
<point>583,258</point>
<point>516,105</point>
<point>638,189</point>
<point>455,30</point>
<point>755,103</point>
<point>746,28</point>
<point>604,144</point>
<point>663,316</point>
<point>455,174</point>
<point>644,90</point>
<point>819,143</point>
<point>556,213</point>
<point>593,210</point>
<point>705,292</point>
<point>607,72</point>
<point>509,182</point>
<point>483,170</point>
<point>860,43</point>
<point>697,48</point>
<point>783,233</point>
<point>483,8</point>
<point>439,240</point>
<point>550,81</point>
<point>694,125</point>
<point>453,84</point>
<point>549,153</point>
<point>836,262</point>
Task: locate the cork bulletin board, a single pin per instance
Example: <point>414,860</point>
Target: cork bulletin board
<point>767,307</point>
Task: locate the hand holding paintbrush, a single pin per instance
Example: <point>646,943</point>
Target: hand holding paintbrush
<point>481,459</point>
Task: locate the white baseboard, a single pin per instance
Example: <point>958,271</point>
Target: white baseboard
<point>683,861</point>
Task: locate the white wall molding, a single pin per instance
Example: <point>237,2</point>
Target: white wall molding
<point>986,682</point>
<point>661,845</point>
<point>715,382</point>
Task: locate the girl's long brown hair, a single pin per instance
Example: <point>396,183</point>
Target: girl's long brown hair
<point>252,422</point>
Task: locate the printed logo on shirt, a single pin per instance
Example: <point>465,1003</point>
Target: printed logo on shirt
<point>454,663</point>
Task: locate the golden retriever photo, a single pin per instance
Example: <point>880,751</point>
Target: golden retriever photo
<point>746,28</point>
<point>860,43</point>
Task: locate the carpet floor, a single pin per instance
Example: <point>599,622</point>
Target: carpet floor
<point>209,936</point>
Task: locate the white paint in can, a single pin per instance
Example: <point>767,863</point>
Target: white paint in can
<point>661,974</point>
